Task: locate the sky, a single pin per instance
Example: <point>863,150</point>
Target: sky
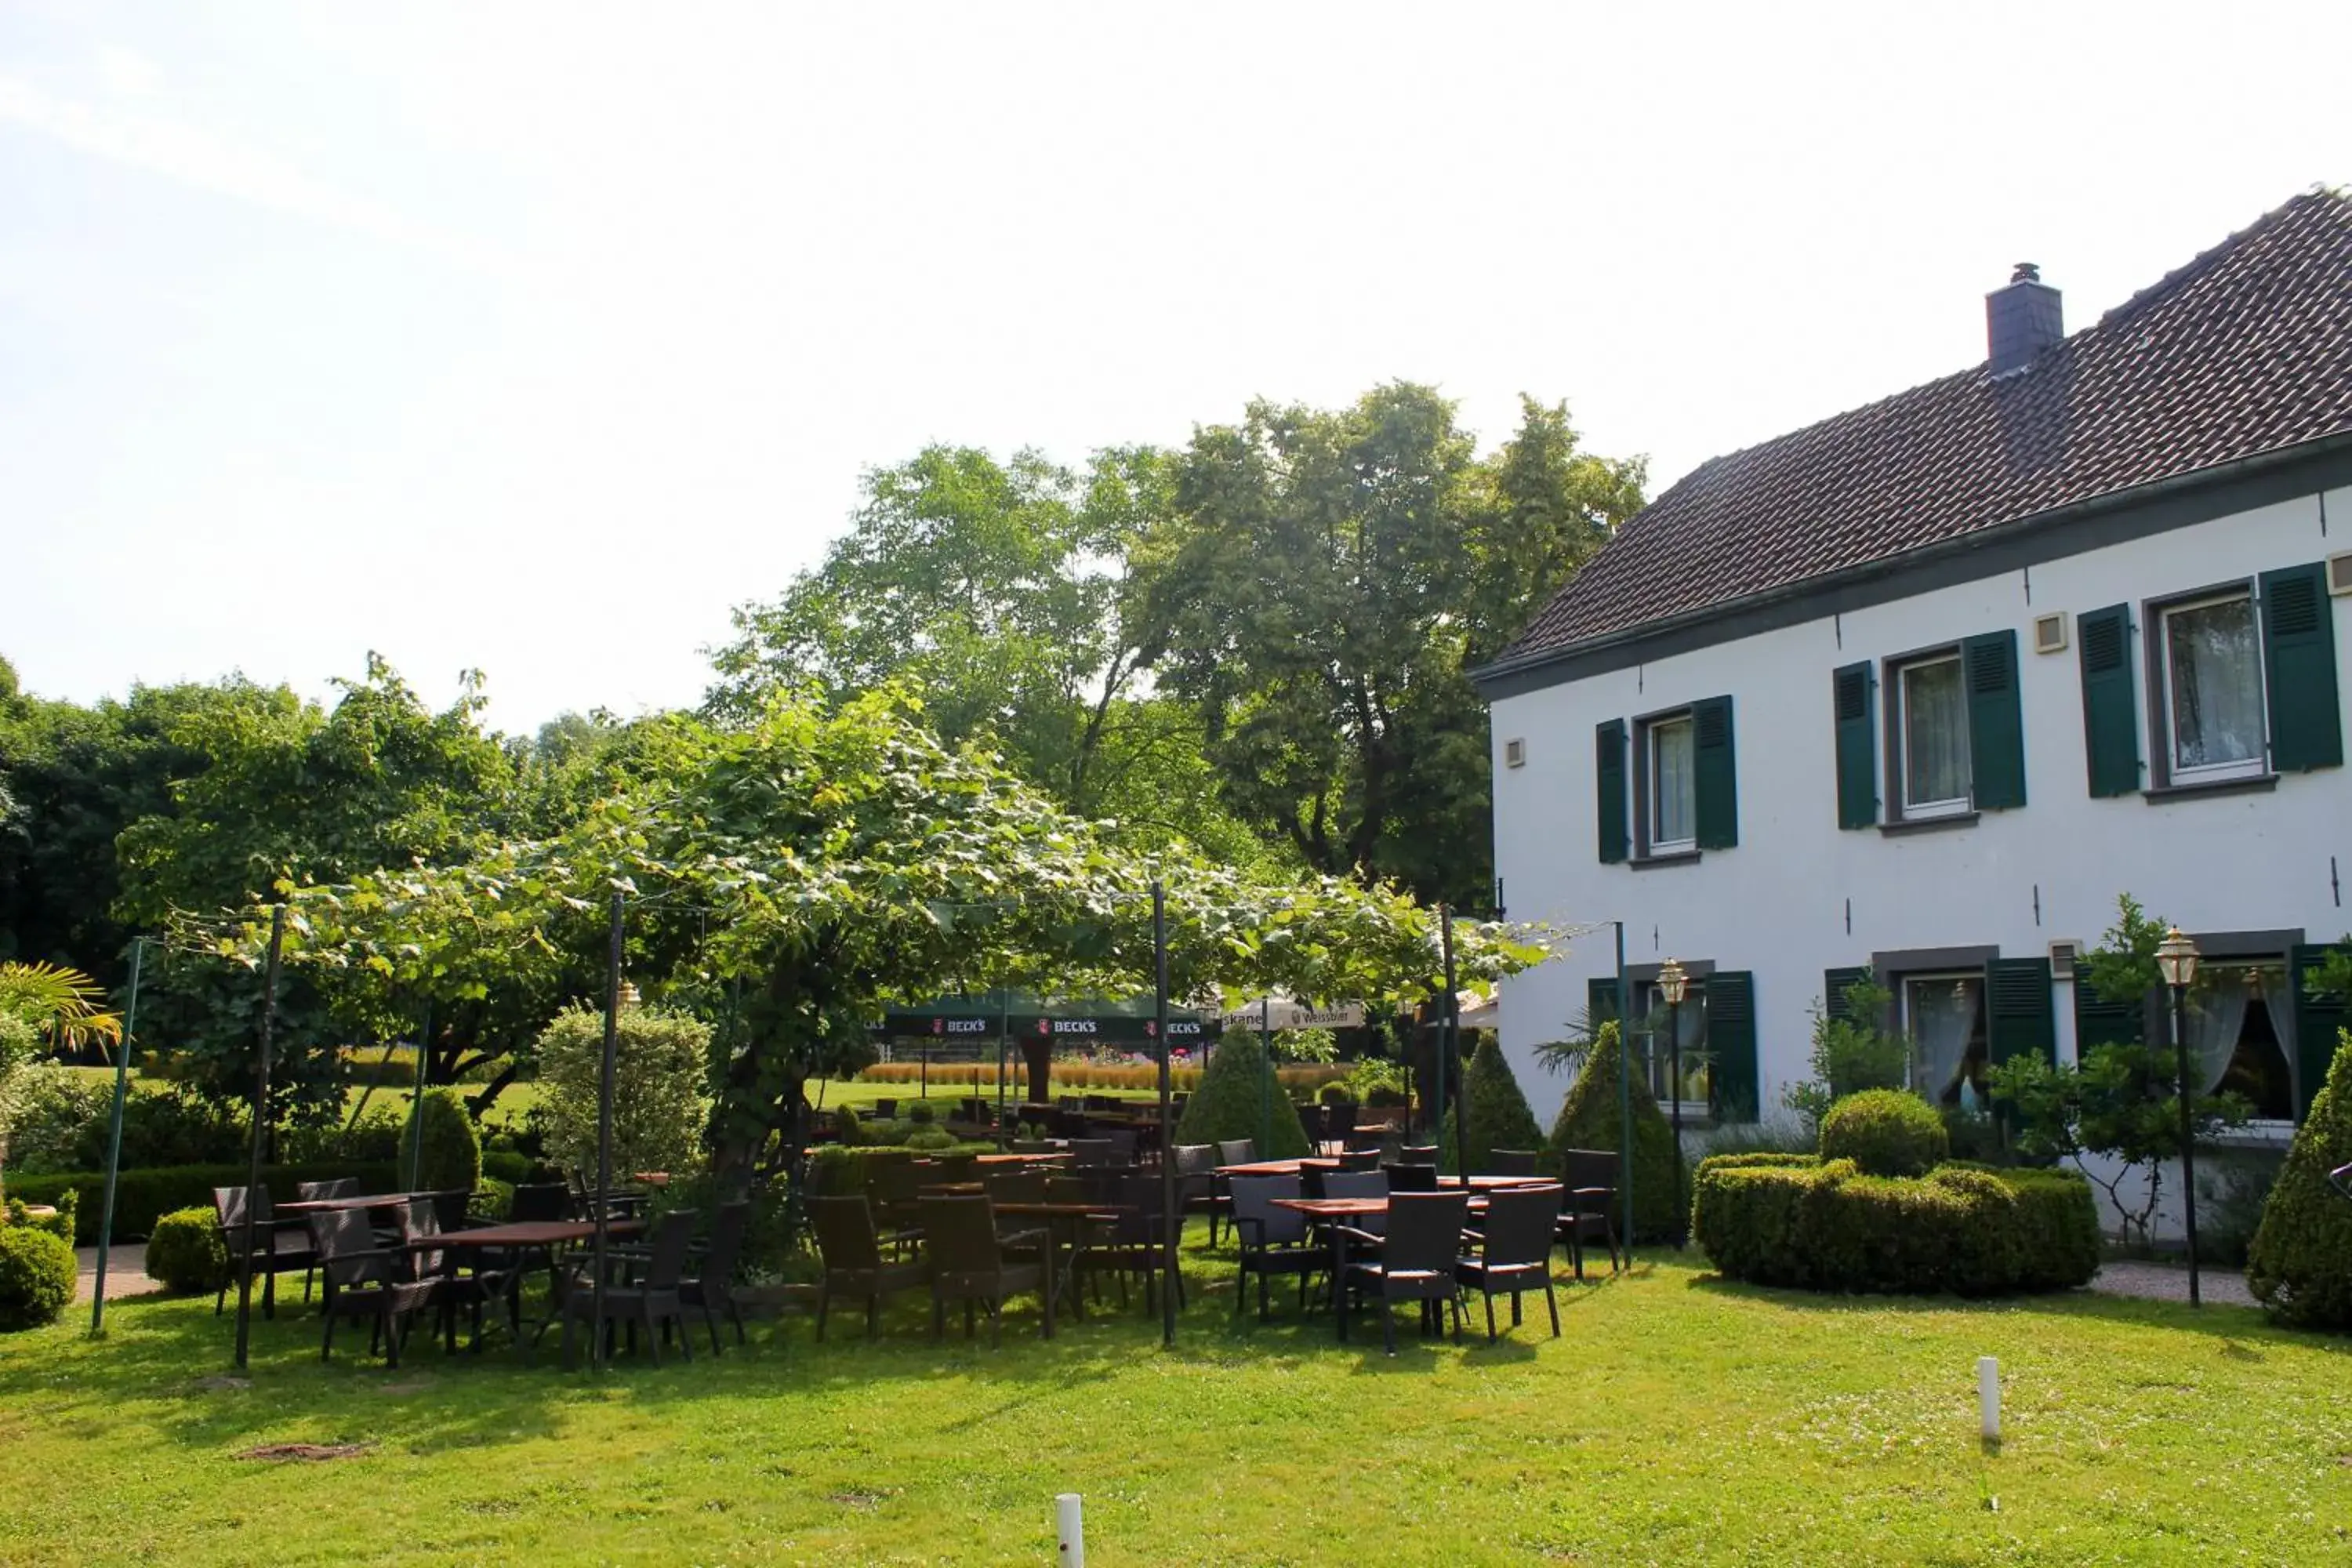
<point>531,338</point>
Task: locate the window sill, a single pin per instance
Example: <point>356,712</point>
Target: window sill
<point>1910,825</point>
<point>1653,862</point>
<point>2258,783</point>
<point>2254,1134</point>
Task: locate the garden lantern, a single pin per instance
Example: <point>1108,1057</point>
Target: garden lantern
<point>2176,955</point>
<point>1674,985</point>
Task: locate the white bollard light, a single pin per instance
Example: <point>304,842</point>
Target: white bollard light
<point>1071,1531</point>
<point>1988,1397</point>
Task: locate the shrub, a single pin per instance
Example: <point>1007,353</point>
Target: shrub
<point>838,1170</point>
<point>1825,1226</point>
<point>448,1151</point>
<point>661,1096</point>
<point>493,1200</point>
<point>2300,1266</point>
<point>921,1113</point>
<point>1234,1101</point>
<point>37,1278</point>
<point>1336,1094</point>
<point>1851,1050</point>
<point>1592,1118</point>
<point>143,1196</point>
<point>1885,1133</point>
<point>1493,1113</point>
<point>184,1252</point>
<point>58,1223</point>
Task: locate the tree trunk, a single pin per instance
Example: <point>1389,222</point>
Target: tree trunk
<point>1037,1056</point>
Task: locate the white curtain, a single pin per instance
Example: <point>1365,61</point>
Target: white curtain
<point>1934,734</point>
<point>2217,684</point>
<point>2217,1016</point>
<point>2278,999</point>
<point>1676,784</point>
<point>1943,1017</point>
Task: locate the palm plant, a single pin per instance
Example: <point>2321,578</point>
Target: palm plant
<point>64,1004</point>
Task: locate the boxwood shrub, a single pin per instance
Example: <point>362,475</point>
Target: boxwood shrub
<point>839,1170</point>
<point>184,1252</point>
<point>37,1278</point>
<point>1824,1224</point>
<point>1885,1133</point>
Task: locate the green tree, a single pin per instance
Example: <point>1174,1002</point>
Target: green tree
<point>661,1095</point>
<point>1854,1051</point>
<point>1320,586</point>
<point>1498,1114</point>
<point>2299,1265</point>
<point>1593,1117</point>
<point>1237,1098</point>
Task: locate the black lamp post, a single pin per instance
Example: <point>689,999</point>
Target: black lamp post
<point>1672,984</point>
<point>2177,956</point>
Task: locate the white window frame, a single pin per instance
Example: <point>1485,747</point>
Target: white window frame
<point>1650,732</point>
<point>1966,801</point>
<point>2206,773</point>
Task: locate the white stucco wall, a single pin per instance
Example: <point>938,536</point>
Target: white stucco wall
<point>1777,904</point>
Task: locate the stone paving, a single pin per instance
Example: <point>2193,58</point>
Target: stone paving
<point>2167,1282</point>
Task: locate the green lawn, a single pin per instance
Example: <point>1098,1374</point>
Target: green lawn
<point>1681,1421</point>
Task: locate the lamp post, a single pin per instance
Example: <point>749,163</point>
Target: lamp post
<point>2176,955</point>
<point>1672,984</point>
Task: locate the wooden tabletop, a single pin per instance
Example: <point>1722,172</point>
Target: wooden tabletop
<point>1280,1167</point>
<point>1068,1211</point>
<point>1020,1159</point>
<point>1355,1208</point>
<point>525,1233</point>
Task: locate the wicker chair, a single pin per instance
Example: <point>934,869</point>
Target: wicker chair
<point>1196,1185</point>
<point>853,1265</point>
<point>1515,1163</point>
<point>710,1290</point>
<point>1273,1240</point>
<point>1408,1176</point>
<point>969,1263</point>
<point>1237,1151</point>
<point>277,1245</point>
<point>1133,1243</point>
<point>1415,1261</point>
<point>1515,1250</point>
<point>365,1281</point>
<point>652,1303</point>
<point>1590,1207</point>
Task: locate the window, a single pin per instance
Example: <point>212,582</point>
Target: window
<point>1690,1023</point>
<point>2240,1034</point>
<point>1674,785</point>
<point>2212,669</point>
<point>1933,724</point>
<point>1944,1016</point>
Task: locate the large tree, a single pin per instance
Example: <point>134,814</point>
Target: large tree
<point>1318,591</point>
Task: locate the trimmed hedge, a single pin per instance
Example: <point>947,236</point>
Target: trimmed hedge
<point>2299,1265</point>
<point>1886,1132</point>
<point>1234,1102</point>
<point>1823,1224</point>
<point>37,1278</point>
<point>185,1253</point>
<point>840,1170</point>
<point>142,1197</point>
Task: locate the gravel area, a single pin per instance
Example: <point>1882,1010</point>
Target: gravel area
<point>2167,1282</point>
<point>126,1272</point>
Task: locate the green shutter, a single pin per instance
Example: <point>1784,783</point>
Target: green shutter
<point>1735,1092</point>
<point>2110,717</point>
<point>1600,1001</point>
<point>2299,662</point>
<point>1857,748</point>
<point>2020,1019</point>
<point>1715,777</point>
<point>1609,771</point>
<point>1835,983</point>
<point>2099,1021</point>
<point>2316,1021</point>
<point>1996,726</point>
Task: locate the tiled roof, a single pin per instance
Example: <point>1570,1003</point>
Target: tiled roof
<point>2248,349</point>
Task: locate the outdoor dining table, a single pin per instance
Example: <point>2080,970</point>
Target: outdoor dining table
<point>524,1235</point>
<point>1020,1159</point>
<point>1062,1223</point>
<point>363,1201</point>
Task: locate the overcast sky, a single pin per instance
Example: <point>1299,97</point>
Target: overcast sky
<point>532,336</point>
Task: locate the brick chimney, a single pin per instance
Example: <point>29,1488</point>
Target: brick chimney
<point>2021,320</point>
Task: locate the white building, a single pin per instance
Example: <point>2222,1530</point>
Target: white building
<point>1924,687</point>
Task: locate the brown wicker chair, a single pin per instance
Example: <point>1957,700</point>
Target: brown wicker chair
<point>1273,1240</point>
<point>969,1263</point>
<point>365,1281</point>
<point>277,1245</point>
<point>1590,1208</point>
<point>710,1290</point>
<point>1515,1250</point>
<point>1515,1161</point>
<point>1416,1260</point>
<point>1196,1185</point>
<point>651,1303</point>
<point>853,1265</point>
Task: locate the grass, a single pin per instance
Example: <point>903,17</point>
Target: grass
<point>1681,1421</point>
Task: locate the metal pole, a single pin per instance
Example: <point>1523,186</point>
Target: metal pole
<point>604,1133</point>
<point>1454,1044</point>
<point>114,1141</point>
<point>1624,1100</point>
<point>1675,1069</point>
<point>1167,1212</point>
<point>261,1134</point>
<point>1437,1100</point>
<point>2188,1133</point>
<point>1003,1051</point>
<point>416,1101</point>
<point>1266,1084</point>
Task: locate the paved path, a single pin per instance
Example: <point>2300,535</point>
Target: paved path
<point>126,1272</point>
<point>2167,1282</point>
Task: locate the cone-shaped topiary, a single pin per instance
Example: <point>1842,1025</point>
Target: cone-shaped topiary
<point>450,1150</point>
<point>1885,1133</point>
<point>1499,1116</point>
<point>1592,1119</point>
<point>1234,1101</point>
<point>2299,1265</point>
